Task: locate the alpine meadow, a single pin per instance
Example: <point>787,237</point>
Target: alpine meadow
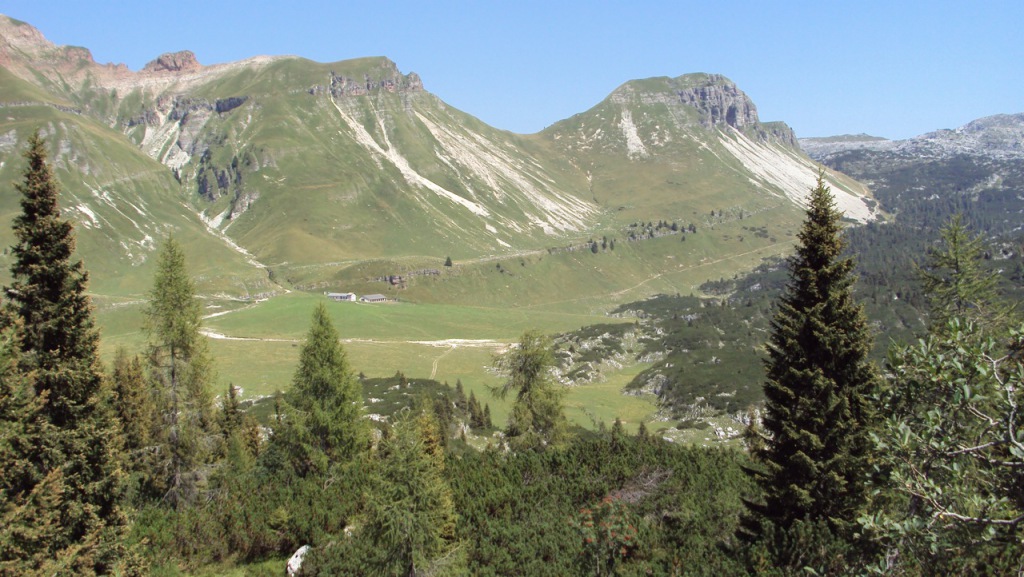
<point>277,316</point>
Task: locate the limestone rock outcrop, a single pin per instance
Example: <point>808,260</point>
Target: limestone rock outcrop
<point>720,102</point>
<point>182,61</point>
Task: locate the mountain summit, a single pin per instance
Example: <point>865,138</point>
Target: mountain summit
<point>314,170</point>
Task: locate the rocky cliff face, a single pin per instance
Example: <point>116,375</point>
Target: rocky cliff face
<point>720,102</point>
<point>714,98</point>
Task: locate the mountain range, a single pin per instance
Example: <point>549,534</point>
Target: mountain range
<point>976,169</point>
<point>280,172</point>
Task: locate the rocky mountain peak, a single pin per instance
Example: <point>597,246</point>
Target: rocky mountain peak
<point>22,44</point>
<point>23,36</point>
<point>718,100</point>
<point>181,61</point>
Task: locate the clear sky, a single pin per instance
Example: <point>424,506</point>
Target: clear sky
<point>887,68</point>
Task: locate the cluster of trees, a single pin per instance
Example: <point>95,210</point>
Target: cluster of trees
<point>641,230</point>
<point>479,415</point>
<point>605,244</point>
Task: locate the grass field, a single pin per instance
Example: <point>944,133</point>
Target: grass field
<point>448,327</point>
<point>259,347</point>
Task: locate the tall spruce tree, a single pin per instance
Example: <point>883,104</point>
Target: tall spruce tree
<point>324,423</point>
<point>817,414</point>
<point>180,372</point>
<point>75,463</point>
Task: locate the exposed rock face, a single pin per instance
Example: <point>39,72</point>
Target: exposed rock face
<point>183,61</point>
<point>388,79</point>
<point>720,102</point>
<point>998,137</point>
<point>778,132</point>
<point>21,43</point>
<point>228,104</point>
<point>715,98</point>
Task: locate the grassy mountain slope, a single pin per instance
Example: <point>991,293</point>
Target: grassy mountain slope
<point>123,204</point>
<point>337,175</point>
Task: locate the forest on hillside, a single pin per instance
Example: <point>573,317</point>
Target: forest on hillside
<point>909,466</point>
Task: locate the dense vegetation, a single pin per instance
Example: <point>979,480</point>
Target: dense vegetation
<point>917,472</point>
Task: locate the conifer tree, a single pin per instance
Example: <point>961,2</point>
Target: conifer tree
<point>410,513</point>
<point>133,403</point>
<point>817,413</point>
<point>460,395</point>
<point>75,463</point>
<point>136,411</point>
<point>537,419</point>
<point>324,424</point>
<point>957,284</point>
<point>476,414</point>
<point>180,373</point>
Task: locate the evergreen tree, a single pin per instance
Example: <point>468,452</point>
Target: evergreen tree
<point>231,417</point>
<point>75,466</point>
<point>476,414</point>
<point>324,423</point>
<point>133,402</point>
<point>817,413</point>
<point>460,396</point>
<point>641,431</point>
<point>537,419</point>
<point>30,486</point>
<point>180,373</point>
<point>137,413</point>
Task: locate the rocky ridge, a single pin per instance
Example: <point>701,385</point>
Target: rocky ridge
<point>998,137</point>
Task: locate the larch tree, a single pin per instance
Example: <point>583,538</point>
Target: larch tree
<point>410,512</point>
<point>77,463</point>
<point>537,419</point>
<point>324,423</point>
<point>815,459</point>
<point>957,284</point>
<point>180,373</point>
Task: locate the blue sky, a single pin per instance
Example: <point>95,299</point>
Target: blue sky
<point>893,69</point>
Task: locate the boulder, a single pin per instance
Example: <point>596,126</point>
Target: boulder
<point>294,566</point>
